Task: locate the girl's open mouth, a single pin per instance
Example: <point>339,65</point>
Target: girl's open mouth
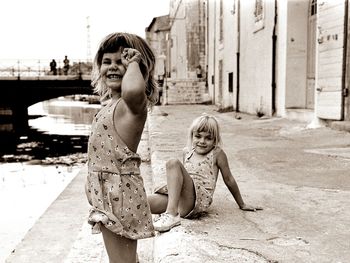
<point>114,76</point>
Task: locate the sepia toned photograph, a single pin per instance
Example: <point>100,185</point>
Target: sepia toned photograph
<point>173,131</point>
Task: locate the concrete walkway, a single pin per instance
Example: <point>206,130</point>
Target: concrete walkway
<point>299,176</point>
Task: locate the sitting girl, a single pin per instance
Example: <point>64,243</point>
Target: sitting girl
<point>191,184</point>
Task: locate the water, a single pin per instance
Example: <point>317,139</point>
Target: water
<point>57,128</point>
<point>65,117</point>
<point>26,191</point>
<point>44,162</point>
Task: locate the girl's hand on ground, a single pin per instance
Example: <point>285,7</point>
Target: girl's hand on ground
<point>130,55</point>
<point>250,208</point>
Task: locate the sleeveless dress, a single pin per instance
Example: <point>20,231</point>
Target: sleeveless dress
<point>204,180</point>
<point>114,186</point>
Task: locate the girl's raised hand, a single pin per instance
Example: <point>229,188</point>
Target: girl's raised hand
<point>250,208</point>
<point>130,55</point>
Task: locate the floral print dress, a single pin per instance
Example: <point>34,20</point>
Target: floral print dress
<point>114,186</point>
<point>204,179</point>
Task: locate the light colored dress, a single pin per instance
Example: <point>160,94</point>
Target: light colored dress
<point>204,178</point>
<point>114,185</point>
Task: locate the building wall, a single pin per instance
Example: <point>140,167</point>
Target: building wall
<point>222,52</point>
<point>229,53</point>
<point>347,73</point>
<point>330,59</point>
<point>178,41</point>
<point>187,36</point>
<point>187,50</point>
<point>195,35</point>
<point>198,21</point>
<point>256,58</point>
<point>281,58</point>
<point>211,21</point>
<point>297,27</point>
<point>156,37</point>
<point>254,43</point>
<point>226,52</point>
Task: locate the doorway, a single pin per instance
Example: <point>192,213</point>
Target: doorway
<point>311,55</point>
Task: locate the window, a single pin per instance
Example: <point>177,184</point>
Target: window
<point>259,15</point>
<point>313,7</point>
<point>230,82</point>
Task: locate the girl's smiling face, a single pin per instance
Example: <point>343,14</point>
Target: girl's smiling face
<point>203,142</point>
<point>112,70</point>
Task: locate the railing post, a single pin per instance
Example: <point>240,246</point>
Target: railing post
<point>39,69</point>
<point>79,71</point>
<point>18,70</point>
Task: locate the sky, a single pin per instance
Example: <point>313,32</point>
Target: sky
<point>46,29</point>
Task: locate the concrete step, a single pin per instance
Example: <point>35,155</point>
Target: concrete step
<point>52,236</point>
<point>341,125</point>
<point>62,234</point>
<point>304,115</point>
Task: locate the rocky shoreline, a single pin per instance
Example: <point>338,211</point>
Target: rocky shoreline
<point>48,149</point>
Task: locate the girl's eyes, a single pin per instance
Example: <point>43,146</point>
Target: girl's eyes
<point>197,136</point>
<point>108,62</point>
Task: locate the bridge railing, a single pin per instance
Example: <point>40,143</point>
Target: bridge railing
<point>12,68</point>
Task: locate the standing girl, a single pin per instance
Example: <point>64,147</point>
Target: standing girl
<point>123,77</point>
<point>191,184</point>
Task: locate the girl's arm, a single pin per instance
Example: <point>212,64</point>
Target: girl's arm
<point>133,83</point>
<point>230,181</point>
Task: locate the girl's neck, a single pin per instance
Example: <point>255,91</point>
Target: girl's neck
<point>116,95</point>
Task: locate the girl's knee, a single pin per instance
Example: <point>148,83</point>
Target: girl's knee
<point>173,163</point>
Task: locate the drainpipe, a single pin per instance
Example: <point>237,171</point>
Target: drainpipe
<point>274,42</point>
<point>345,88</point>
<point>207,47</point>
<point>238,53</point>
<point>214,55</point>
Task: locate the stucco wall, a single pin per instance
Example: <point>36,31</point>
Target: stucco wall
<point>256,59</point>
<point>224,50</point>
<point>178,48</point>
<point>296,54</point>
<point>187,38</point>
<point>330,60</point>
<point>227,53</point>
<point>211,47</point>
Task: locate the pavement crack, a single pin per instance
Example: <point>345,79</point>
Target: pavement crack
<point>258,254</point>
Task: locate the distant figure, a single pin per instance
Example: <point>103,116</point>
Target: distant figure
<point>65,65</point>
<point>53,67</point>
<point>199,71</point>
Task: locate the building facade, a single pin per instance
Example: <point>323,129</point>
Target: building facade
<point>275,57</point>
<point>266,57</point>
<point>187,59</point>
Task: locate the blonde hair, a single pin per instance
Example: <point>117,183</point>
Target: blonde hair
<point>205,123</point>
<point>112,43</point>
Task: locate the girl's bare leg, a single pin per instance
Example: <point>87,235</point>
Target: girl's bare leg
<point>181,193</point>
<point>119,249</point>
<point>157,203</point>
